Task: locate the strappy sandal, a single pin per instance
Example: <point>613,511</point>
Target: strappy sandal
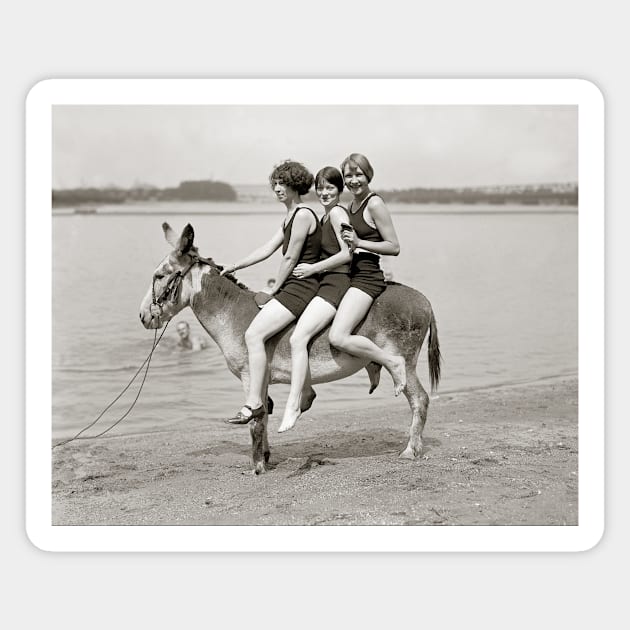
<point>240,418</point>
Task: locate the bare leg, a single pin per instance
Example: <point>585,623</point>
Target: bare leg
<point>271,319</point>
<point>351,311</point>
<point>315,317</point>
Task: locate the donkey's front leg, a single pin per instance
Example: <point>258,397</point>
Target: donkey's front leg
<point>260,441</point>
<point>258,431</point>
<point>266,449</point>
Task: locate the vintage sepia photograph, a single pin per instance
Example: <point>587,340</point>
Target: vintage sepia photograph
<point>352,308</point>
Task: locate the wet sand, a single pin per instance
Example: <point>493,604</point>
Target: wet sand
<point>499,456</point>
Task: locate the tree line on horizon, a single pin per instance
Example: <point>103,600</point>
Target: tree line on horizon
<point>208,190</point>
<point>552,194</point>
<point>202,190</point>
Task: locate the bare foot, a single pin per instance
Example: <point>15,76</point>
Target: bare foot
<point>288,420</point>
<point>399,374</point>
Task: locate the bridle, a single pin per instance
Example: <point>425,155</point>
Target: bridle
<point>170,292</point>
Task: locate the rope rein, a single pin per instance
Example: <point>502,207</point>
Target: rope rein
<point>170,292</point>
<point>147,361</point>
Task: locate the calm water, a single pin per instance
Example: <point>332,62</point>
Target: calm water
<point>503,287</point>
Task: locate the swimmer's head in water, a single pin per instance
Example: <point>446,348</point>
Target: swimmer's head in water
<point>183,330</point>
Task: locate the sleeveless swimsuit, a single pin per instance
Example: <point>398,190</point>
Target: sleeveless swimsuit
<point>365,271</point>
<point>334,282</point>
<point>296,293</point>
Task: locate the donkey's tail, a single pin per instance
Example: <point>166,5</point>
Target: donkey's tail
<point>435,358</point>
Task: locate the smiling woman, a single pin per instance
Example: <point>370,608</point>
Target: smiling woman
<point>300,238</point>
<point>370,234</point>
<point>333,270</point>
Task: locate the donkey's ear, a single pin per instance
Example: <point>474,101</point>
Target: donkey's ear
<point>171,238</point>
<point>186,239</point>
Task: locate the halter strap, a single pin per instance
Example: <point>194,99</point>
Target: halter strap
<point>173,284</point>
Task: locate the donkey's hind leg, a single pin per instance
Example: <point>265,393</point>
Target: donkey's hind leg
<point>419,403</point>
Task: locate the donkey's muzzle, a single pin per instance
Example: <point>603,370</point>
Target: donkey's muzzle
<point>149,320</point>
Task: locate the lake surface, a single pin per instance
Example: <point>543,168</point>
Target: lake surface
<point>503,282</point>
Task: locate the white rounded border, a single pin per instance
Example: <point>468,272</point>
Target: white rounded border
<point>45,94</point>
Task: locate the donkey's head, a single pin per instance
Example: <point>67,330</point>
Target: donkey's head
<point>174,279</point>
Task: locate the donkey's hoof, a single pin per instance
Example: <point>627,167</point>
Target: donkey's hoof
<point>409,453</point>
<point>259,469</point>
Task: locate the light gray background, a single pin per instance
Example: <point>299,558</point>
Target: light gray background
<point>190,39</point>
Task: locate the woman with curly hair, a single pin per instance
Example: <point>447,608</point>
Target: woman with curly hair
<point>334,280</point>
<point>300,238</point>
<point>371,233</point>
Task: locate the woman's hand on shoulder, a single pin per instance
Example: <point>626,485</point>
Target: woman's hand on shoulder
<point>349,236</point>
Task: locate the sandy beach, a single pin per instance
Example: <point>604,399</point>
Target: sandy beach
<point>499,456</point>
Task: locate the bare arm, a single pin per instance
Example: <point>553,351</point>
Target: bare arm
<point>337,216</point>
<point>262,253</point>
<point>302,223</point>
<point>389,246</point>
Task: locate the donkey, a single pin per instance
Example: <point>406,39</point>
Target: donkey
<point>398,322</point>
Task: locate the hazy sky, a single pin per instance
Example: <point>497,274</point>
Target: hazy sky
<point>408,145</point>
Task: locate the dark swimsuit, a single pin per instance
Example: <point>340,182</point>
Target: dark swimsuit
<point>334,282</point>
<point>296,293</point>
<point>365,272</point>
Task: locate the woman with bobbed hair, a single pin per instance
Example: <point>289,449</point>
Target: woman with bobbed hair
<point>334,279</point>
<point>370,234</point>
<point>300,238</point>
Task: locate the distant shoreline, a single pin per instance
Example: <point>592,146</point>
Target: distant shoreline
<point>85,199</point>
<point>470,209</point>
